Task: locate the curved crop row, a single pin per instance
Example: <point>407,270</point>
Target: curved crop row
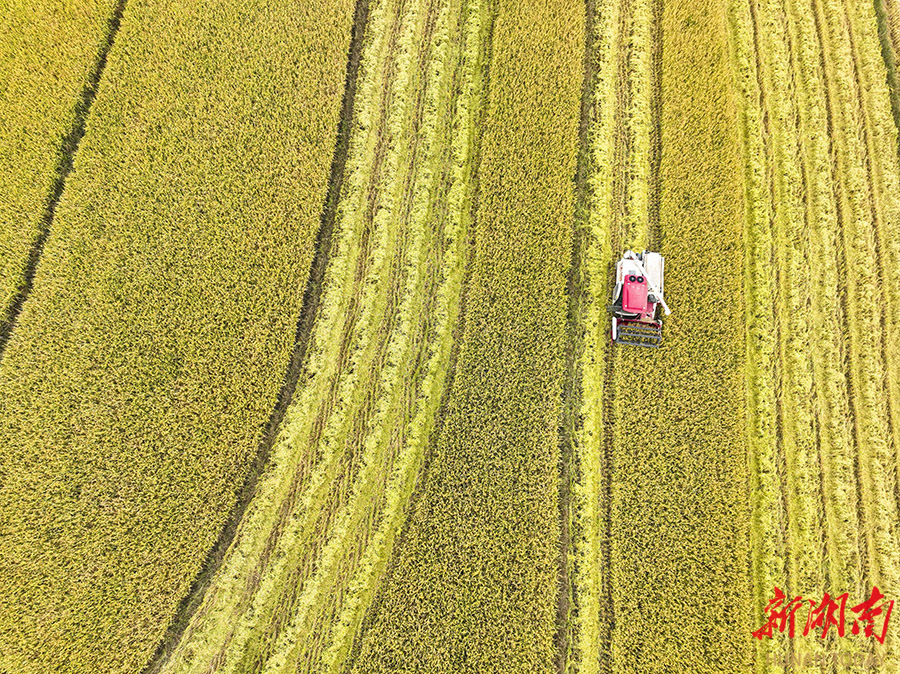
<point>302,571</point>
<point>148,359</point>
<point>48,58</point>
<point>473,587</point>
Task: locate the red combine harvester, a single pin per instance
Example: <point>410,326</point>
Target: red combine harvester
<point>638,291</point>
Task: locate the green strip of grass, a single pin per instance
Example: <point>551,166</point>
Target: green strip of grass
<point>473,587</point>
<point>680,530</point>
<point>48,51</point>
<point>149,356</point>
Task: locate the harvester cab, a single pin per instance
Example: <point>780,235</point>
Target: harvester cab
<point>637,294</point>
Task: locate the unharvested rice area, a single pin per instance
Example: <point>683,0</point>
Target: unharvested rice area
<point>49,54</point>
<point>149,355</point>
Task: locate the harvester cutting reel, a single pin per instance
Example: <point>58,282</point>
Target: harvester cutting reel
<point>637,294</point>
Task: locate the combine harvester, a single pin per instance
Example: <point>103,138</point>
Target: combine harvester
<point>637,294</point>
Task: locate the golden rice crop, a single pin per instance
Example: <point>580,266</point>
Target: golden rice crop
<point>147,360</point>
<point>294,587</point>
<point>680,528</point>
<point>48,58</point>
<point>473,586</point>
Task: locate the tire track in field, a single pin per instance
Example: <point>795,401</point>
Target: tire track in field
<point>843,291</point>
<point>880,178</point>
<point>351,397</point>
<point>836,492</point>
<point>470,89</point>
<point>618,206</point>
<point>67,151</point>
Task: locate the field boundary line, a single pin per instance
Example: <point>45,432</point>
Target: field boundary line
<point>67,151</point>
<point>309,309</point>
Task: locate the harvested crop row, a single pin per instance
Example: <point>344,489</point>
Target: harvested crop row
<point>302,571</point>
<point>883,173</point>
<point>767,490</point>
<point>787,537</point>
<point>148,358</point>
<point>860,202</point>
<point>801,206</point>
<point>680,529</point>
<point>48,61</point>
<point>613,210</point>
<point>473,587</point>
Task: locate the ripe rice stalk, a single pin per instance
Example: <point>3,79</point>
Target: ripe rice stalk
<point>476,575</point>
<point>337,444</point>
<point>151,350</point>
<point>48,69</point>
<point>680,453</point>
<point>290,461</point>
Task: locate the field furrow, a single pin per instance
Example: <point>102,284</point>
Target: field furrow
<point>473,587</point>
<point>161,320</point>
<point>51,60</point>
<point>304,567</point>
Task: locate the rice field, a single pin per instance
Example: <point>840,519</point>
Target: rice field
<point>305,364</point>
